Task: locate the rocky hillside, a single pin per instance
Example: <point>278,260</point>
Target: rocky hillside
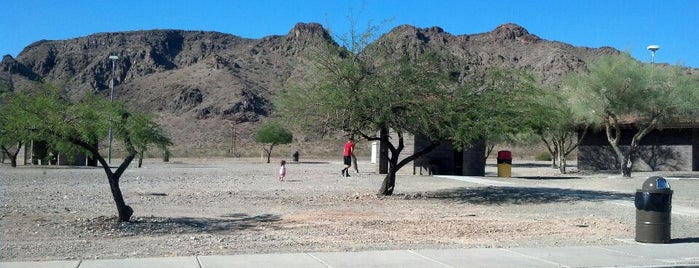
<point>508,46</point>
<point>210,89</point>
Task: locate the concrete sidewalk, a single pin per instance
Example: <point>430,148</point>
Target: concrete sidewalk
<point>632,255</point>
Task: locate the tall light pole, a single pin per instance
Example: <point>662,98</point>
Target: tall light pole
<point>111,100</point>
<point>652,49</point>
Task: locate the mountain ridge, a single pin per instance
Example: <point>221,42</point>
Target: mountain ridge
<point>205,87</point>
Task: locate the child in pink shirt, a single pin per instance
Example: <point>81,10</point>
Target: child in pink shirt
<point>282,171</point>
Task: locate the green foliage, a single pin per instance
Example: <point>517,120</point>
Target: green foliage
<point>499,107</point>
<point>44,115</point>
<point>620,90</point>
<point>11,140</point>
<point>70,126</point>
<point>5,88</point>
<point>621,87</point>
<point>273,133</point>
<point>543,156</point>
<point>139,129</point>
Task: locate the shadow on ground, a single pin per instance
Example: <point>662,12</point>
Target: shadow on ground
<point>685,240</point>
<point>547,178</point>
<point>189,225</point>
<point>524,195</point>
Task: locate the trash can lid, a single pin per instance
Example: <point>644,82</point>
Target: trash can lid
<point>504,155</point>
<point>656,183</point>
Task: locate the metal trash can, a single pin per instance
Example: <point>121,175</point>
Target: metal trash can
<point>504,164</point>
<point>653,208</point>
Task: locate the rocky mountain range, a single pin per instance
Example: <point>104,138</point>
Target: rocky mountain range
<point>211,89</point>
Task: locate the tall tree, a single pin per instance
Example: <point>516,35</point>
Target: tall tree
<point>364,97</point>
<point>10,141</point>
<point>272,134</point>
<point>619,90</point>
<point>45,115</point>
<point>561,134</point>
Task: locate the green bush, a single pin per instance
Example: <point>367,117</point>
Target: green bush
<point>543,156</point>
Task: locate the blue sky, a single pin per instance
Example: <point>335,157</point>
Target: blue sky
<point>629,25</point>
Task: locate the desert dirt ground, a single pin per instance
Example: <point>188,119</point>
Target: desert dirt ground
<point>233,206</point>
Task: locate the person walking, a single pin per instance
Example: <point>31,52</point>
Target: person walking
<point>282,171</point>
<point>349,149</point>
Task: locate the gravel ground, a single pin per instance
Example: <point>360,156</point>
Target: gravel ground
<point>234,206</point>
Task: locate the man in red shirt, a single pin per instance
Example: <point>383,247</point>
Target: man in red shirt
<point>349,148</point>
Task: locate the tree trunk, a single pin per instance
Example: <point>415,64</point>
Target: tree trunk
<point>555,164</point>
<point>635,141</point>
<point>568,146</point>
<point>124,211</point>
<point>562,164</point>
<point>627,162</point>
<point>269,152</point>
<point>559,142</point>
<point>488,150</point>
<point>621,161</point>
<point>626,169</point>
<point>140,159</point>
<point>11,155</point>
<point>556,160</point>
<point>613,136</point>
<point>388,184</point>
<point>392,156</point>
<point>551,147</point>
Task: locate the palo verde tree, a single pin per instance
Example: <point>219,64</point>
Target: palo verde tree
<point>45,115</point>
<point>272,134</point>
<point>619,90</point>
<point>561,132</point>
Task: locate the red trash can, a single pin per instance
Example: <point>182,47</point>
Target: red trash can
<point>504,164</point>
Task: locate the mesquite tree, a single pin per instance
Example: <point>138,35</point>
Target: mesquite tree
<point>353,92</point>
<point>619,90</point>
<point>44,115</point>
<point>272,134</point>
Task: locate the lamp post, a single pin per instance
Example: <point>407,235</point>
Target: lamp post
<point>652,49</point>
<point>111,100</point>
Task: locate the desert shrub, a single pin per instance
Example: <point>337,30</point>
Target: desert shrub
<point>543,156</point>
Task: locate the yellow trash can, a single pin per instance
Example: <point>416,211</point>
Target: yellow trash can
<point>505,164</point>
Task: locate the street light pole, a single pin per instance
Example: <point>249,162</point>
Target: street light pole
<point>111,101</point>
<point>652,49</point>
